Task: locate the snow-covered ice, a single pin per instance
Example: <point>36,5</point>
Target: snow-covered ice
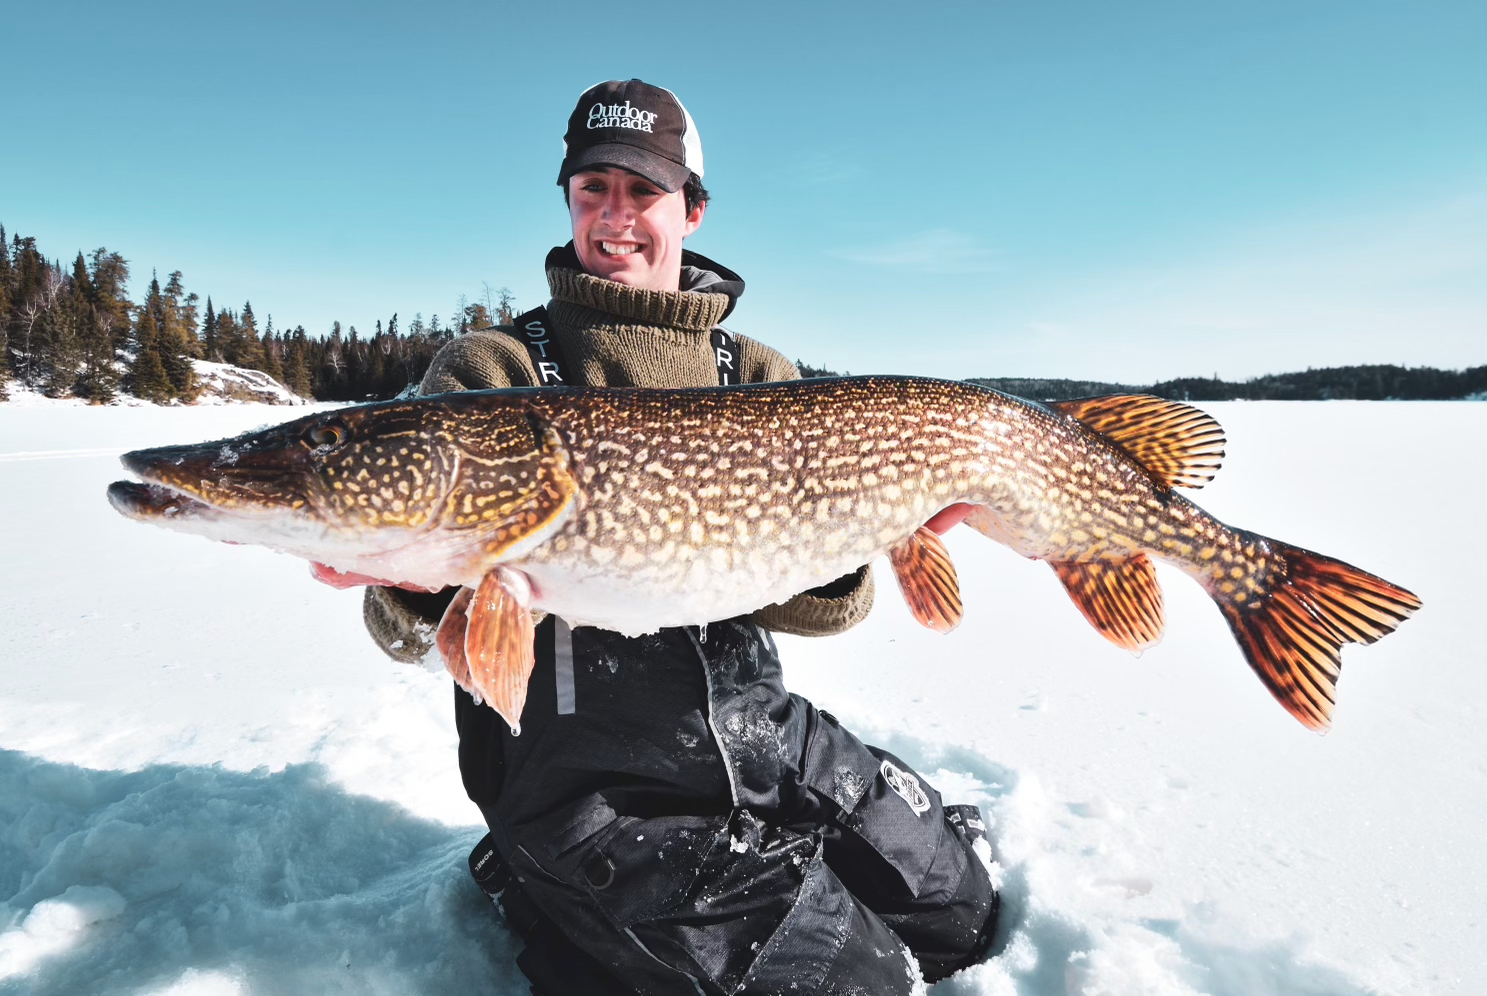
<point>212,783</point>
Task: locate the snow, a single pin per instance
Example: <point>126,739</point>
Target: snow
<point>212,783</point>
<point>223,383</point>
<point>217,384</point>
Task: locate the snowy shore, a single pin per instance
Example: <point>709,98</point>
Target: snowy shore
<point>212,783</point>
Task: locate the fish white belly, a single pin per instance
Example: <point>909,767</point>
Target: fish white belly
<point>645,603</point>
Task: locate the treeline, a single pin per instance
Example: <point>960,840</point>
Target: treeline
<point>1378,382</point>
<point>74,331</point>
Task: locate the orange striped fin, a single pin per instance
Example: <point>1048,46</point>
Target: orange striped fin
<point>1120,598</point>
<point>450,638</point>
<point>1294,635</point>
<point>1181,446</point>
<point>498,642</point>
<point>927,578</point>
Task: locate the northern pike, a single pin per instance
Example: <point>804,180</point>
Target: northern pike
<point>634,509</point>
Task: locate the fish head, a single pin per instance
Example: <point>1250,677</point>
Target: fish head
<point>415,490</point>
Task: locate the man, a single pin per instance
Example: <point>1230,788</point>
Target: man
<point>670,819</point>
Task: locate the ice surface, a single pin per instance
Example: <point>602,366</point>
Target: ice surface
<point>211,783</point>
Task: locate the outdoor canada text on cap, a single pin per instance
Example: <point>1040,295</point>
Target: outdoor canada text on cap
<point>635,126</point>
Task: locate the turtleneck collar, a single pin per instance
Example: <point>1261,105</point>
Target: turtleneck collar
<point>709,292</point>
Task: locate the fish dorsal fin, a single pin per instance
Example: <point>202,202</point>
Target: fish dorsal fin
<point>927,578</point>
<point>1120,598</point>
<point>1180,445</point>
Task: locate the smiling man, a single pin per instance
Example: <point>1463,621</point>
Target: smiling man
<point>671,819</point>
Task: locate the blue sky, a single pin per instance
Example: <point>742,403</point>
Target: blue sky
<point>1121,191</point>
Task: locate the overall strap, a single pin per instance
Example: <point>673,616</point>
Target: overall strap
<point>547,359</point>
<point>725,355</point>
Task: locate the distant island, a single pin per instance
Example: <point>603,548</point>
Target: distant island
<point>1378,382</point>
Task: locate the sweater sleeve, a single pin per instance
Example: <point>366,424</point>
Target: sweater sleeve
<point>403,623</point>
<point>479,361</point>
<point>831,608</point>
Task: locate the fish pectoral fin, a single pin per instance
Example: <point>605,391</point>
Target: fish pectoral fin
<point>1120,598</point>
<point>1181,446</point>
<point>498,642</point>
<point>927,578</point>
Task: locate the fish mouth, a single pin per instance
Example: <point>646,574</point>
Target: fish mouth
<point>155,501</point>
<point>242,476</point>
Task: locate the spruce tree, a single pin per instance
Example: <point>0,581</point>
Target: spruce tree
<point>227,335</point>
<point>97,378</point>
<point>147,377</point>
<point>211,348</point>
<point>273,364</point>
<point>180,311</point>
<point>297,365</point>
<point>34,294</point>
<point>110,276</point>
<point>176,322</point>
<point>59,353</point>
<point>249,349</point>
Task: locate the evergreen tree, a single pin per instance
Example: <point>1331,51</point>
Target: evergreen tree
<point>110,276</point>
<point>227,335</point>
<point>297,364</point>
<point>211,348</point>
<point>178,341</point>
<point>147,377</point>
<point>168,341</point>
<point>35,291</point>
<point>97,379</point>
<point>273,363</point>
<point>475,317</point>
<point>59,353</point>
<point>180,312</point>
<point>249,351</point>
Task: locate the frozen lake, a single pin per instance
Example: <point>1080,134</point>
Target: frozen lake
<point>212,783</point>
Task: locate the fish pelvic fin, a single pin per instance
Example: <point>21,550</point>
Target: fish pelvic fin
<point>927,579</point>
<point>1293,632</point>
<point>499,642</point>
<point>1120,598</point>
<point>1179,445</point>
<point>450,639</point>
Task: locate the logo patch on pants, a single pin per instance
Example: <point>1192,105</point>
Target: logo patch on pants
<point>907,787</point>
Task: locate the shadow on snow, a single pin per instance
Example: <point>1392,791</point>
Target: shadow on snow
<point>124,882</point>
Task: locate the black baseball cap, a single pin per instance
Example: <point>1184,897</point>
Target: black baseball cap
<point>635,126</point>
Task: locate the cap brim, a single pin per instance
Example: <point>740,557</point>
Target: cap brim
<point>664,173</point>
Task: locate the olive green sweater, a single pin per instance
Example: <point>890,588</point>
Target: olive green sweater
<point>612,335</point>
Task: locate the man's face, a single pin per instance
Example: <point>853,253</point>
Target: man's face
<point>629,230</point>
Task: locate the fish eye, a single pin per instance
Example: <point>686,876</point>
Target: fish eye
<point>329,434</point>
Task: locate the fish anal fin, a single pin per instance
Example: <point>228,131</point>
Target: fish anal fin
<point>498,642</point>
<point>1120,598</point>
<point>1178,444</point>
<point>927,579</point>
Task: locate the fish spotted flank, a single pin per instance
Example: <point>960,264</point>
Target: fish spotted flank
<point>635,509</point>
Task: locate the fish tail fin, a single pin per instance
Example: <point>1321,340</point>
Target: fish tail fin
<point>1293,622</point>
